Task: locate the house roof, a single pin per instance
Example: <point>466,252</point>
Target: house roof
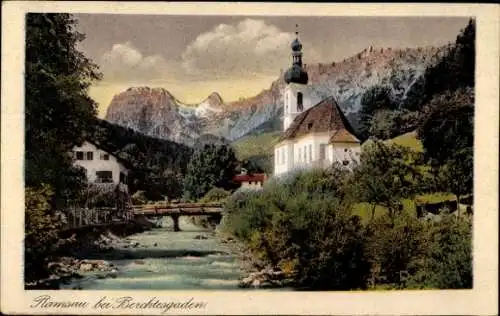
<point>261,177</point>
<point>326,116</point>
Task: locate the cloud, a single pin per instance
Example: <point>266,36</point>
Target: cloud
<point>246,48</point>
<point>124,62</point>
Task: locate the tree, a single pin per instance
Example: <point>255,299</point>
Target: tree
<point>373,100</point>
<point>456,175</point>
<point>448,126</point>
<point>415,96</point>
<point>210,166</point>
<point>456,69</point>
<point>385,175</point>
<point>59,114</point>
<point>58,111</point>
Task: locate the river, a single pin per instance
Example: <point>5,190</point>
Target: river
<point>167,260</point>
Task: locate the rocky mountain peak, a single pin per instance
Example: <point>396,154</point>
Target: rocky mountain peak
<point>157,113</point>
<point>215,99</point>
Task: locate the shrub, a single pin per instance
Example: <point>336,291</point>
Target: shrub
<point>215,195</point>
<point>393,249</point>
<point>41,230</point>
<point>296,223</point>
<point>105,195</point>
<point>139,198</point>
<point>448,256</point>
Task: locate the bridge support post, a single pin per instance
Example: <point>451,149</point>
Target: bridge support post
<point>175,219</point>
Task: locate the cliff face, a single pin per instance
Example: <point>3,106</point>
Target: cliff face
<point>154,112</point>
<point>157,113</point>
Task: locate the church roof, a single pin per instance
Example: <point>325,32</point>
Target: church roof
<point>326,116</point>
<point>343,136</point>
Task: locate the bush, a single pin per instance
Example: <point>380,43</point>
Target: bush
<point>215,195</point>
<point>105,195</point>
<point>300,226</point>
<point>448,257</point>
<point>41,230</point>
<point>139,198</point>
<point>393,249</point>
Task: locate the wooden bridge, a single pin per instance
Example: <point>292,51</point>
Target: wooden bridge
<point>76,218</point>
<point>214,210</point>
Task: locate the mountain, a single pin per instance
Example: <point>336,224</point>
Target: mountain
<point>157,113</point>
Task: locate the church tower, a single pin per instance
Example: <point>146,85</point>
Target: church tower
<point>296,96</point>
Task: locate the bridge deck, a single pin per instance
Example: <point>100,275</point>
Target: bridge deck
<point>190,209</point>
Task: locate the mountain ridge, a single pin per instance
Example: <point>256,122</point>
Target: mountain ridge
<point>156,112</point>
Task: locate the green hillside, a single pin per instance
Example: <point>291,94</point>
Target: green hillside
<point>255,145</point>
<point>408,140</point>
<point>257,149</point>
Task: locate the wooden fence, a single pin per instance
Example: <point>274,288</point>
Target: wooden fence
<point>77,217</point>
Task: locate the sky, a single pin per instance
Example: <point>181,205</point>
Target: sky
<point>236,56</point>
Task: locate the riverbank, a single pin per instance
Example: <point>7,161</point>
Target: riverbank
<point>79,253</point>
<point>258,273</point>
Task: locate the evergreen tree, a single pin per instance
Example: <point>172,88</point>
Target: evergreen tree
<point>375,99</point>
<point>448,126</point>
<point>58,115</point>
<point>456,69</point>
<point>210,166</point>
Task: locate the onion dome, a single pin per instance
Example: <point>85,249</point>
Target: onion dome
<point>296,74</point>
<point>296,45</point>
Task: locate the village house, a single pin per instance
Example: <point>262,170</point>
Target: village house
<point>315,131</point>
<point>250,181</point>
<point>101,166</point>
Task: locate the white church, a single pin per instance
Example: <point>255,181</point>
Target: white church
<point>315,131</point>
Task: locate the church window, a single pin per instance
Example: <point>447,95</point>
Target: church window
<point>300,153</point>
<point>310,152</point>
<point>305,153</point>
<point>283,155</point>
<point>322,151</point>
<point>300,105</point>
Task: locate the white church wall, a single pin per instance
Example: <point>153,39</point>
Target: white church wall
<point>341,152</point>
<point>307,150</point>
<point>283,158</point>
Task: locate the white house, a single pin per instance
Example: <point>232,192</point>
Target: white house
<point>315,131</point>
<point>101,166</point>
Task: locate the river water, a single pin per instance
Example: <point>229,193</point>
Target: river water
<point>167,260</point>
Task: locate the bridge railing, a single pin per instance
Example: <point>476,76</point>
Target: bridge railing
<point>77,217</point>
<point>152,207</point>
